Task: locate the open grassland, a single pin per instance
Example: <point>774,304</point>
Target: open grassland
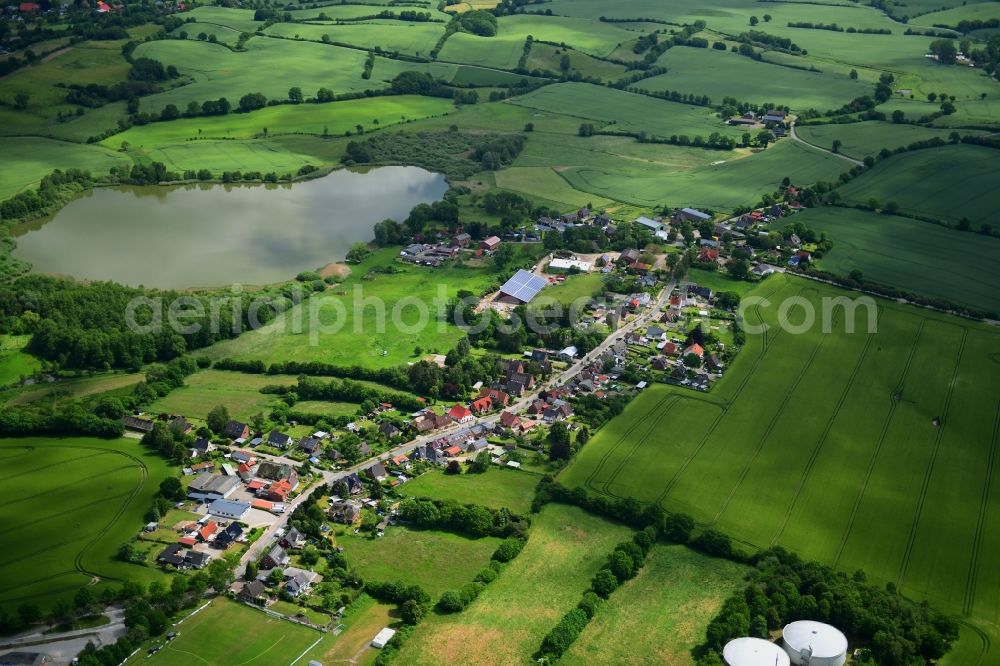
<point>924,258</point>
<point>733,181</point>
<point>72,389</point>
<point>239,155</point>
<point>437,561</point>
<point>67,505</point>
<point>548,57</point>
<point>363,619</point>
<point>826,443</point>
<point>325,408</point>
<point>227,633</point>
<point>15,363</point>
<point>500,52</point>
<point>26,160</point>
<point>240,20</point>
<point>219,72</point>
<point>335,118</point>
<point>720,74</point>
<point>966,12</point>
<point>718,281</point>
<point>497,488</point>
<point>858,140</point>
<point>948,183</point>
<point>661,614</point>
<point>507,622</point>
<point>239,392</point>
<point>354,337</point>
<point>617,110</point>
<point>391,36</point>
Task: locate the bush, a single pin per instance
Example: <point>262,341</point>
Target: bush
<point>508,549</point>
<point>604,583</point>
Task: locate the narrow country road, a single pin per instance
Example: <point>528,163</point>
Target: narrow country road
<point>796,137</point>
<point>256,550</point>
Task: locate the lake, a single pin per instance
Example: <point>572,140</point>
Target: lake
<point>215,235</point>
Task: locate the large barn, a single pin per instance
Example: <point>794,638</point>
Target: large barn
<point>521,288</point>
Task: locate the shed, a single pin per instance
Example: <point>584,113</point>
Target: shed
<point>383,637</point>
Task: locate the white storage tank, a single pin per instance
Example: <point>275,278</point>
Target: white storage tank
<point>814,643</point>
<point>753,652</point>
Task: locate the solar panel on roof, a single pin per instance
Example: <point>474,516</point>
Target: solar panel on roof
<point>523,286</point>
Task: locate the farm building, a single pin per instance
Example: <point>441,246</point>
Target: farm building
<point>383,637</point>
<point>566,264</point>
<point>228,509</point>
<point>814,643</point>
<point>691,214</point>
<point>753,652</point>
<point>521,288</point>
<point>208,487</point>
<point>652,225</point>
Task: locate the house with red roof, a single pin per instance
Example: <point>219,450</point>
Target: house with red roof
<point>499,397</point>
<point>510,420</point>
<point>187,541</point>
<point>460,414</point>
<point>453,451</point>
<point>207,530</point>
<point>695,349</point>
<point>482,405</point>
<point>278,491</point>
<point>255,485</point>
<point>28,7</point>
<point>708,254</point>
<point>103,7</point>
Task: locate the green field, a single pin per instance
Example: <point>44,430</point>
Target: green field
<point>380,348</point>
<point>229,633</point>
<point>617,110</point>
<point>924,258</point>
<point>507,622</point>
<point>15,363</point>
<point>497,488</point>
<point>720,74</point>
<point>663,611</point>
<point>29,159</point>
<point>336,117</point>
<point>947,183</point>
<point>239,392</point>
<point>363,619</point>
<point>735,180</point>
<point>858,140</point>
<point>219,72</point>
<point>80,387</point>
<point>68,504</point>
<point>417,557</point>
<point>825,443</point>
<point>411,38</point>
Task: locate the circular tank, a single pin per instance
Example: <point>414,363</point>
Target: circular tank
<point>753,652</point>
<point>814,643</point>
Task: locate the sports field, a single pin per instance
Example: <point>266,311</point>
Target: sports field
<point>827,444</point>
<point>507,622</point>
<point>496,488</point>
<point>664,609</point>
<point>66,506</point>
<point>924,258</point>
<point>228,632</point>
<point>947,183</point>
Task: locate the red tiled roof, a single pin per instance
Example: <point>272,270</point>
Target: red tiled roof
<point>208,530</point>
<point>459,412</point>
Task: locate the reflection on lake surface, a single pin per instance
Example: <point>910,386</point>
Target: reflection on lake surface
<point>215,235</point>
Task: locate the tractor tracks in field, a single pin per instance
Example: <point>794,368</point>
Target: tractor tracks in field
<point>822,440</point>
<point>770,427</point>
<point>878,444</point>
<point>933,459</point>
<point>970,585</point>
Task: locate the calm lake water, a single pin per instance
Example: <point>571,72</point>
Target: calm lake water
<point>216,235</point>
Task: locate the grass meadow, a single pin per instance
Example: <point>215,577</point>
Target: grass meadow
<point>410,38</point>
<point>437,561</point>
<point>28,159</point>
<point>924,258</point>
<point>947,183</point>
<point>205,389</point>
<point>67,505</point>
<point>336,118</point>
<point>76,388</point>
<point>826,444</point>
<point>507,622</point>
<point>15,363</point>
<point>362,620</point>
<point>664,609</point>
<point>720,74</point>
<point>228,632</point>
<point>377,347</point>
<point>858,140</point>
<point>497,488</point>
